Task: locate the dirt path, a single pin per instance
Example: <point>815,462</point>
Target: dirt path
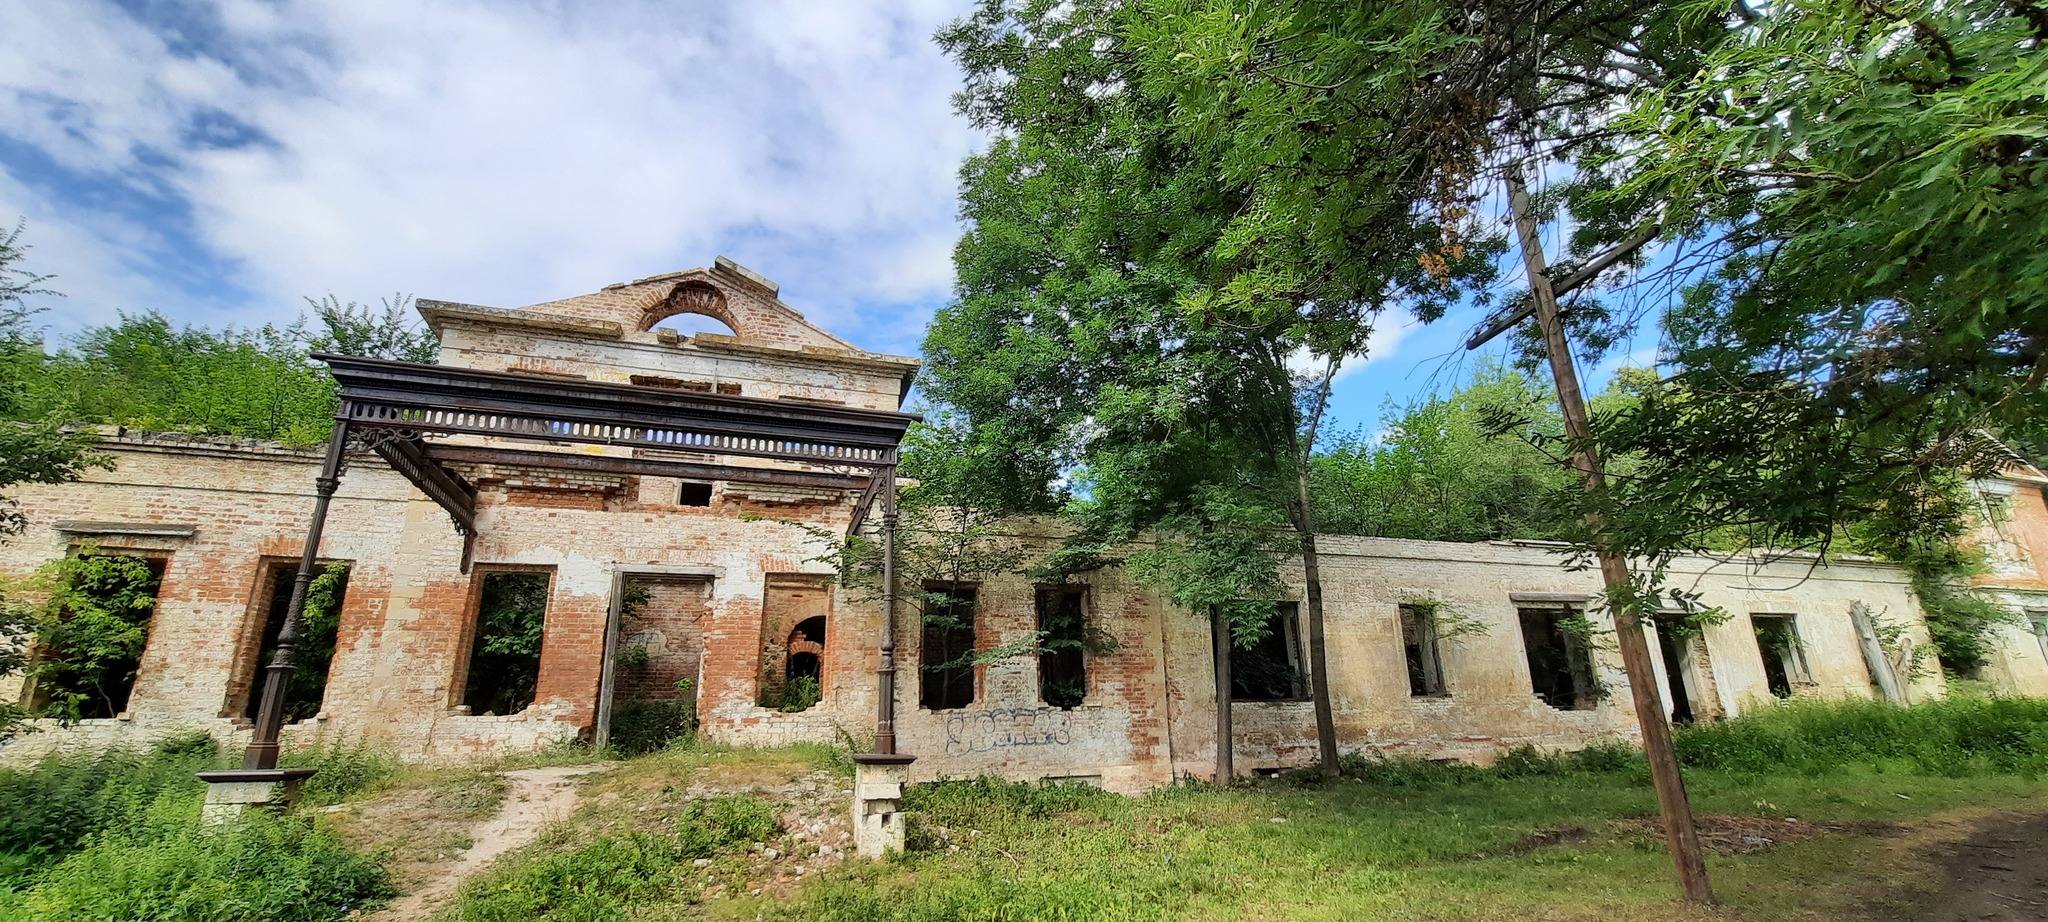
<point>1998,874</point>
<point>534,797</point>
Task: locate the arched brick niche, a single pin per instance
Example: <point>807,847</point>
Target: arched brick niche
<point>691,297</point>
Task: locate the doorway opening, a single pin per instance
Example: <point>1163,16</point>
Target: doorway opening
<point>654,659</point>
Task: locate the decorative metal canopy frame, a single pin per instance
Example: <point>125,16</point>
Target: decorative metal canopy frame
<point>422,418</point>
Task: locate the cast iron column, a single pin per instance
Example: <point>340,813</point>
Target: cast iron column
<point>885,711</point>
<point>262,751</point>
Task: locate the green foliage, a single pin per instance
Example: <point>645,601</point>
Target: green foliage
<point>91,632</point>
<point>55,807</point>
<point>162,865</point>
<point>606,878</point>
<point>587,884</point>
<point>359,329</point>
<point>800,693</point>
<point>344,772</point>
<point>1954,736</point>
<point>504,668</point>
<point>641,726</point>
<point>1436,471</point>
<point>144,371</point>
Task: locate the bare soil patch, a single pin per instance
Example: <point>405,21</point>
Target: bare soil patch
<point>1728,834</point>
<point>533,798</point>
<point>1998,874</point>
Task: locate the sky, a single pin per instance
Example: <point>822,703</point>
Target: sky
<point>220,160</point>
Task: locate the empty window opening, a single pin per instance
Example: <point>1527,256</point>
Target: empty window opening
<point>313,652</point>
<point>2039,619</point>
<point>1271,669</point>
<point>90,639</point>
<point>692,493</point>
<point>1674,637</point>
<point>504,657</point>
<point>1559,643</point>
<point>1419,642</point>
<point>657,655</point>
<point>1062,645</point>
<point>1777,638</point>
<point>794,610</point>
<point>946,655</point>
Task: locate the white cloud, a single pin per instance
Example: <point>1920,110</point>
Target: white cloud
<point>495,152</point>
<point>1381,344</point>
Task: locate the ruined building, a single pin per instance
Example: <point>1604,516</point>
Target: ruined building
<point>645,592</point>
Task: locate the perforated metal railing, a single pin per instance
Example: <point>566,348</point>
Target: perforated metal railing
<point>363,413</point>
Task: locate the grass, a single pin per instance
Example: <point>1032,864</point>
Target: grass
<point>1534,837</point>
<point>115,835</point>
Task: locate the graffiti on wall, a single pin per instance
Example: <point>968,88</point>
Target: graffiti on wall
<point>1000,728</point>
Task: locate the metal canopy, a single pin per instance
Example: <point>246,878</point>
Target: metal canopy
<point>394,406</point>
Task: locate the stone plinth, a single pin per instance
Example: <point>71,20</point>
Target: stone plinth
<point>878,781</point>
<point>231,793</point>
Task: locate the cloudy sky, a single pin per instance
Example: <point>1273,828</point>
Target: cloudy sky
<point>219,159</point>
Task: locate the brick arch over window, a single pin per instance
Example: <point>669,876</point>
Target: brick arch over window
<point>692,297</point>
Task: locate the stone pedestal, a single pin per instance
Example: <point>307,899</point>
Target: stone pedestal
<point>877,802</point>
<point>230,793</point>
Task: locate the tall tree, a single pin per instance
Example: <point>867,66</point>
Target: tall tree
<point>1069,353</point>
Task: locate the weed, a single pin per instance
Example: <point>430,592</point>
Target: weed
<point>1951,737</point>
<point>604,878</point>
<point>51,810</point>
<point>344,772</point>
<point>163,866</point>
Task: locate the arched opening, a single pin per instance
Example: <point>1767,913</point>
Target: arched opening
<point>691,308</point>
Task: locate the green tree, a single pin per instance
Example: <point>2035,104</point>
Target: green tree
<point>1073,354</point>
<point>1436,470</point>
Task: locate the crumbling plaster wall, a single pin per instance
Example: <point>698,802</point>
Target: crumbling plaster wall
<point>1490,706</point>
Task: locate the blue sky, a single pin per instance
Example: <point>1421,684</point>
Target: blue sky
<point>219,160</point>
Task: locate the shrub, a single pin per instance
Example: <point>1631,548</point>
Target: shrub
<point>166,868</point>
<point>345,771</point>
<point>50,811</point>
<point>1952,736</point>
<point>640,727</point>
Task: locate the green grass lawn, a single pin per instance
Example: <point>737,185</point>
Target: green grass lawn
<point>1874,790</point>
<point>1354,850</point>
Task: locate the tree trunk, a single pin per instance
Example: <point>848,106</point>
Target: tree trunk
<point>1220,627</point>
<point>1312,580</point>
<point>1318,646</point>
<point>1680,835</point>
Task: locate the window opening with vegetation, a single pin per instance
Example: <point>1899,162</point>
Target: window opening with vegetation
<point>313,654</point>
<point>1559,643</point>
<point>2040,621</point>
<point>692,493</point>
<point>1419,642</point>
<point>1777,638</point>
<point>1063,645</point>
<point>504,659</point>
<point>90,635</point>
<point>1271,669</point>
<point>946,674</point>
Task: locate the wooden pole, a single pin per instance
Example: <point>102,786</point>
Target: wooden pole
<point>262,751</point>
<point>1680,835</point>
